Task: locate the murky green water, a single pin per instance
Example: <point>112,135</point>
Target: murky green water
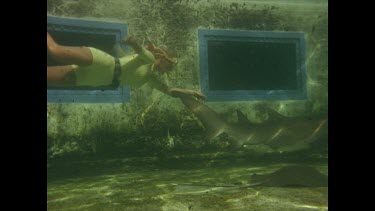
<point>189,179</point>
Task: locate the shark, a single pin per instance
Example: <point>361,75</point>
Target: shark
<point>279,134</point>
<point>292,175</point>
<point>287,176</point>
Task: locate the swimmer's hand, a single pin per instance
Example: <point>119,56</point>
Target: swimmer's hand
<point>132,42</point>
<point>129,40</point>
<point>199,95</point>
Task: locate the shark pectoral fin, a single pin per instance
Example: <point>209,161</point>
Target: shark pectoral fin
<point>295,147</point>
<point>259,148</point>
<point>234,144</point>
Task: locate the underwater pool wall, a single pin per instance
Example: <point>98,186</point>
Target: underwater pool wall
<point>83,127</point>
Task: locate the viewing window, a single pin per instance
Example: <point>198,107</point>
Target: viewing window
<point>249,65</point>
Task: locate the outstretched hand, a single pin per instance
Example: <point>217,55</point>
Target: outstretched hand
<point>132,42</point>
<point>199,95</point>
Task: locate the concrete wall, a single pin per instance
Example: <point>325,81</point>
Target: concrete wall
<point>145,122</point>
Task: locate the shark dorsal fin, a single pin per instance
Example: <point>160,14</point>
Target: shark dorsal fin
<point>242,119</point>
<point>274,115</point>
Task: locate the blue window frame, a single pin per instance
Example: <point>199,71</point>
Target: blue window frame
<point>252,65</point>
<point>102,35</point>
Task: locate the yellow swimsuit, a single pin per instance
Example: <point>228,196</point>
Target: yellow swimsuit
<point>135,69</point>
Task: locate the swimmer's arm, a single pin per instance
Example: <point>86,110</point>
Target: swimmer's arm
<point>142,52</point>
<point>119,51</point>
<point>174,92</point>
<point>146,56</point>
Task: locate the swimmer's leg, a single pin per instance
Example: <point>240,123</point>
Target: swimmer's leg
<point>61,76</point>
<point>67,54</point>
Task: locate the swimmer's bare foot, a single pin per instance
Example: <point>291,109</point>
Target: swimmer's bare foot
<point>50,42</point>
<point>49,38</point>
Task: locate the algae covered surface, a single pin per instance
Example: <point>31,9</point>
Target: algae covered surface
<point>179,184</point>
